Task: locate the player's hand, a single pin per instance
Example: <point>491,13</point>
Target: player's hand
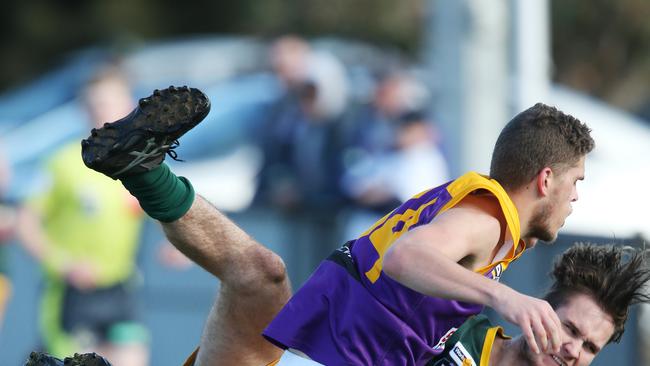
<point>81,275</point>
<point>538,321</point>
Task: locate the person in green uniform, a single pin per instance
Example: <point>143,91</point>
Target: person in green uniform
<point>84,230</point>
<point>593,288</point>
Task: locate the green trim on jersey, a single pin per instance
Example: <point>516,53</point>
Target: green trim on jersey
<point>469,345</point>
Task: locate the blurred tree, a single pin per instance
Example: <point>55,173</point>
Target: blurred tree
<point>599,46</point>
<point>603,48</point>
<point>34,35</point>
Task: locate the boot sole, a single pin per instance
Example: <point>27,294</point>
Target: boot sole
<point>87,359</point>
<point>164,116</point>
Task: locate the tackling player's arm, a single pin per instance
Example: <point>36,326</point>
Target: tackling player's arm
<point>426,259</point>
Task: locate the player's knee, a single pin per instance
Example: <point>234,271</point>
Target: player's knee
<point>266,268</point>
<point>274,269</point>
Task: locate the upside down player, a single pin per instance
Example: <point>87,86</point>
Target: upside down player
<point>446,243</point>
<point>593,288</point>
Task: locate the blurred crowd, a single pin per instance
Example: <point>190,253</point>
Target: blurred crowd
<point>326,151</point>
<point>333,163</point>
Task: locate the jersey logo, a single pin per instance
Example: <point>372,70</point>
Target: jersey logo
<point>441,343</point>
<point>345,249</point>
<point>496,272</point>
<point>460,355</point>
<point>89,201</point>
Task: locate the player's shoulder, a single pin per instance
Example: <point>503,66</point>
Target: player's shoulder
<point>482,202</point>
<point>482,211</point>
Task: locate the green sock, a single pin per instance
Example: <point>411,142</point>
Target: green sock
<point>162,195</point>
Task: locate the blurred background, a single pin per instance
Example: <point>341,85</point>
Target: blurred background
<point>325,115</point>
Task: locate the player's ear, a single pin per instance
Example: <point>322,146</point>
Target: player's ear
<point>543,181</point>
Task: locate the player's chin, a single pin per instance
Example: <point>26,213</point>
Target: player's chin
<point>553,360</point>
<point>549,237</point>
<point>542,359</point>
<point>531,243</point>
<point>551,234</point>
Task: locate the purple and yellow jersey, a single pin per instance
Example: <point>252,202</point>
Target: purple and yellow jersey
<point>350,313</point>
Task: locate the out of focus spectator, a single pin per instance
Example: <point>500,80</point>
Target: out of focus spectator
<point>372,128</point>
<point>414,164</point>
<point>289,57</point>
<point>392,152</point>
<point>300,139</point>
<point>7,224</point>
<point>84,230</point>
<point>301,148</point>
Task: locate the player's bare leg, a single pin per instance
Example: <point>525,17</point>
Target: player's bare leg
<point>254,285</point>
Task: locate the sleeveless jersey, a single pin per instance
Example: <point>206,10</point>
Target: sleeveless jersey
<point>350,313</point>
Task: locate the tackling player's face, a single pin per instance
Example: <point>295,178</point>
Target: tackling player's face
<point>562,193</point>
<point>585,331</point>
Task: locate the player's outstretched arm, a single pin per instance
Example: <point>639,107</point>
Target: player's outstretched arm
<point>427,259</point>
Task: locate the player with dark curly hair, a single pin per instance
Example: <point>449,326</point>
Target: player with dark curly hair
<point>592,291</point>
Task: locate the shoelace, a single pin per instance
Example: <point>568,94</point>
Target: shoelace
<point>172,153</point>
<point>149,151</point>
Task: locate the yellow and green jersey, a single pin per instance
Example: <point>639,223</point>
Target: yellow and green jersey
<point>469,345</point>
<point>88,217</point>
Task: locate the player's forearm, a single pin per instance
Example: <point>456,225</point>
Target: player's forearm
<point>31,235</point>
<point>434,275</point>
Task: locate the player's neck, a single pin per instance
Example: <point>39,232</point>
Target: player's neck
<point>523,199</point>
<point>508,352</point>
